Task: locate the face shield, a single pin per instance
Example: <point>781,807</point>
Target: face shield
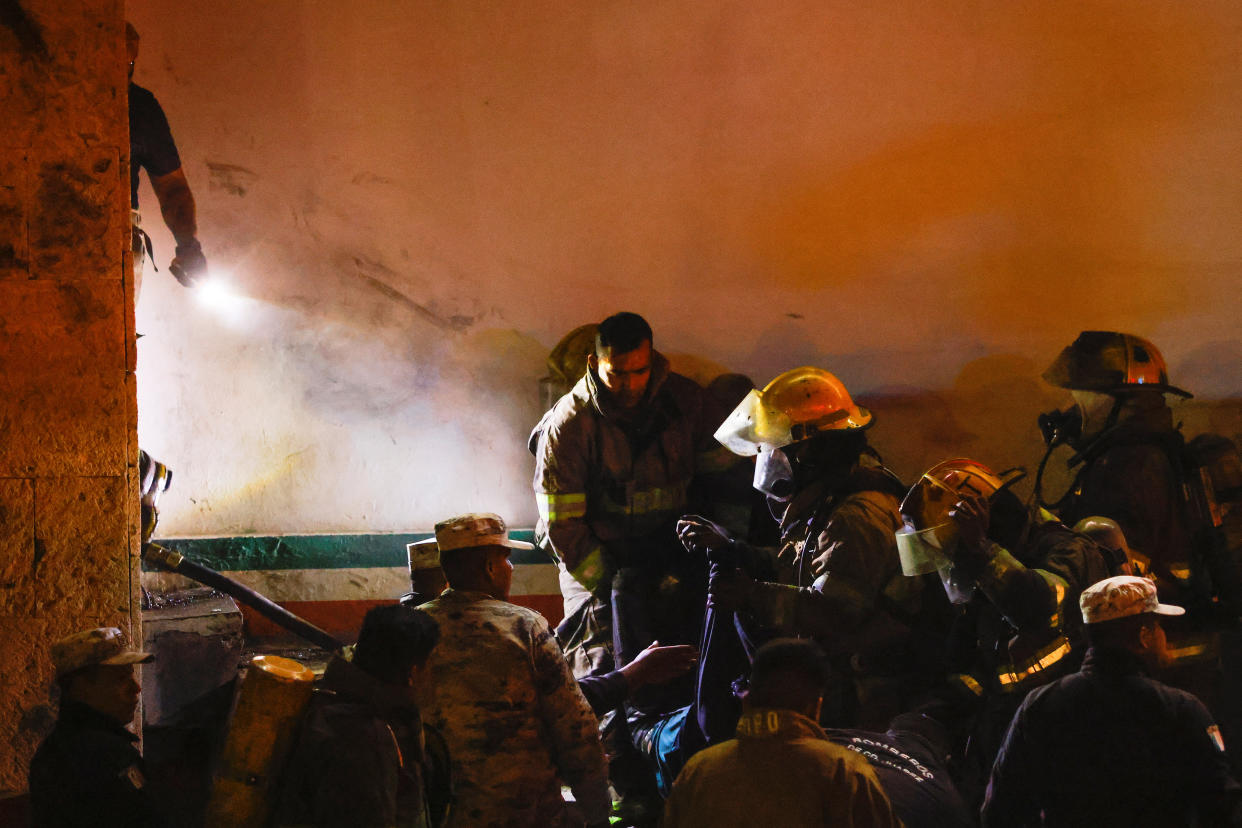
<point>931,550</point>
<point>1094,409</point>
<point>753,427</point>
<point>774,473</point>
<point>921,551</point>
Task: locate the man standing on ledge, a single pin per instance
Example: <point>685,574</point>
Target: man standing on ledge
<point>152,148</point>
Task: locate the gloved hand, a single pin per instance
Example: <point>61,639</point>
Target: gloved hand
<point>189,265</point>
<point>971,514</point>
<point>700,536</point>
<point>730,591</point>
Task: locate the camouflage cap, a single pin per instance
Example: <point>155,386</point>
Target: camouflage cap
<point>424,554</point>
<point>102,645</point>
<point>1120,596</point>
<point>474,530</point>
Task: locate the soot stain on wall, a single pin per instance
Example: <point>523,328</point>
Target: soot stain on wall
<point>231,178</point>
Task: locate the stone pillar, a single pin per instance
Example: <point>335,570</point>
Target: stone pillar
<point>68,444</point>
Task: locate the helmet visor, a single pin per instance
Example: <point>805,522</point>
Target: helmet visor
<point>753,424</point>
<point>920,551</point>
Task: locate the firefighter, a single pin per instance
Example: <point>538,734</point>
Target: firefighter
<point>1131,463</point>
<point>1133,466</point>
<point>615,460</point>
<point>1015,579</point>
<point>836,574</point>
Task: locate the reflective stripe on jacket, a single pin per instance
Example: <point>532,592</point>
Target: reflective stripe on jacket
<point>609,484</point>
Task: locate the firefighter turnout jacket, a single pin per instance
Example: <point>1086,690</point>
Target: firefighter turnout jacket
<point>609,483</point>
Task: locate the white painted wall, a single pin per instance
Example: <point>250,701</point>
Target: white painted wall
<point>419,198</point>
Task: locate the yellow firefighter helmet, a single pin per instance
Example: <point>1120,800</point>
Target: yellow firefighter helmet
<point>795,406</point>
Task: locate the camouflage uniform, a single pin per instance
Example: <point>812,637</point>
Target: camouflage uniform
<point>514,719</point>
<point>610,485</point>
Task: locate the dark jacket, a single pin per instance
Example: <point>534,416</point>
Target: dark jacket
<point>606,692</point>
<point>361,758</point>
<point>1028,622</point>
<point>1109,746</point>
<point>1133,474</point>
<point>89,773</point>
<point>911,763</point>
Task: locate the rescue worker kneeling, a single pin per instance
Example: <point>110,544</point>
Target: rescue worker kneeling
<point>363,756</point>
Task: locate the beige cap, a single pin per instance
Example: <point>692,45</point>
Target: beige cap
<point>473,530</point>
<point>1120,596</point>
<point>102,645</point>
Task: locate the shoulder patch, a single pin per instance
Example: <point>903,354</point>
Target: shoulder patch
<point>134,776</point>
<point>1213,733</point>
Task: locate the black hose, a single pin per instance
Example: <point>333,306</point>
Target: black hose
<point>175,562</point>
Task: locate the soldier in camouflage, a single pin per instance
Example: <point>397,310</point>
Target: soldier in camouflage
<point>501,692</point>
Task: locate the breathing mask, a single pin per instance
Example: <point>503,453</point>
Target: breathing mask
<point>774,473</point>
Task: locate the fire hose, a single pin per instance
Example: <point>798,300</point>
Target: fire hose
<point>174,561</point>
<point>154,479</point>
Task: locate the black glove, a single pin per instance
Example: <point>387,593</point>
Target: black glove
<point>189,265</point>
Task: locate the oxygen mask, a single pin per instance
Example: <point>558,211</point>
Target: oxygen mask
<point>774,473</point>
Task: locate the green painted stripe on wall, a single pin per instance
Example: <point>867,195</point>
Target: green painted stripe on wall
<point>316,551</point>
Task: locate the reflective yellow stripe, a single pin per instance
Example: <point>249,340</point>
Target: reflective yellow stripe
<point>1194,646</point>
<point>554,507</point>
<point>646,501</point>
<point>1059,587</point>
<point>1181,653</point>
<point>590,573</point>
<point>1010,678</point>
<point>969,682</point>
<point>1180,571</point>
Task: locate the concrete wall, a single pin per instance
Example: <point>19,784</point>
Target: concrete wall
<point>67,394</point>
<point>416,200</point>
